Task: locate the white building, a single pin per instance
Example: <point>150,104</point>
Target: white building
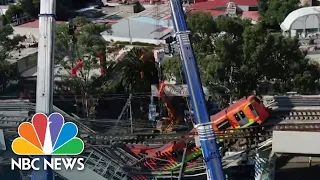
<point>149,26</point>
<point>302,21</point>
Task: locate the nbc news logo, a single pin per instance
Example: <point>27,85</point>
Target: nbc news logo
<point>47,136</point>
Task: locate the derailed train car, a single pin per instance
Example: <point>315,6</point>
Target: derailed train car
<point>245,112</point>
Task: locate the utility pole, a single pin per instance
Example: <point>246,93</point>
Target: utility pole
<point>130,111</point>
<point>45,72</point>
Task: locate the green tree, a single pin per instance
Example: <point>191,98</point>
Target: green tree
<point>8,44</point>
<point>13,11</point>
<point>278,59</point>
<point>225,66</point>
<point>83,44</point>
<point>138,70</point>
<point>273,12</point>
<point>172,69</point>
<point>204,30</point>
<point>244,57</point>
<point>30,7</point>
<point>3,20</point>
<point>263,6</point>
<point>232,25</point>
<point>202,27</point>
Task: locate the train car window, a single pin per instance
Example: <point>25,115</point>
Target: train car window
<point>241,118</point>
<point>253,110</point>
<point>237,117</point>
<point>242,114</point>
<point>224,125</point>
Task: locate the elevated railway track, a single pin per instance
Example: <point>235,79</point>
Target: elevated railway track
<point>301,118</point>
<point>263,132</point>
<point>107,155</point>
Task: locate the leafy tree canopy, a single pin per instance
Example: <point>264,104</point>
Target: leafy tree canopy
<point>8,44</point>
<point>202,27</point>
<point>173,69</point>
<point>273,12</point>
<point>81,41</point>
<point>138,70</point>
<point>247,58</point>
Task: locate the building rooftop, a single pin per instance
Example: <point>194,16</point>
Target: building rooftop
<point>160,11</point>
<point>246,2</point>
<point>153,21</point>
<point>144,2</point>
<point>35,24</point>
<point>218,8</point>
<point>211,12</point>
<point>253,15</point>
<point>137,29</point>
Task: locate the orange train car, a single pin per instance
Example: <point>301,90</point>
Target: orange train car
<point>243,113</point>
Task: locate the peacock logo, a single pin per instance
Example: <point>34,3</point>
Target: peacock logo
<point>47,136</point>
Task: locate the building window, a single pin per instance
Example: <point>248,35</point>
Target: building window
<point>224,125</point>
<point>253,8</point>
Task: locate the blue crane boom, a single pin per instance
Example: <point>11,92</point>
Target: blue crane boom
<point>206,134</point>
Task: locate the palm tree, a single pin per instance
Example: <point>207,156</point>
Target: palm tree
<point>109,79</point>
<point>138,70</point>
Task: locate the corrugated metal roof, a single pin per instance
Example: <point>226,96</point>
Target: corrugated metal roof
<point>160,11</point>
<point>137,30</point>
<point>35,24</point>
<point>209,5</point>
<point>151,20</point>
<point>246,2</point>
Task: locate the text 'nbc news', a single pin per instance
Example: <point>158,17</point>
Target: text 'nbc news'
<point>54,164</point>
